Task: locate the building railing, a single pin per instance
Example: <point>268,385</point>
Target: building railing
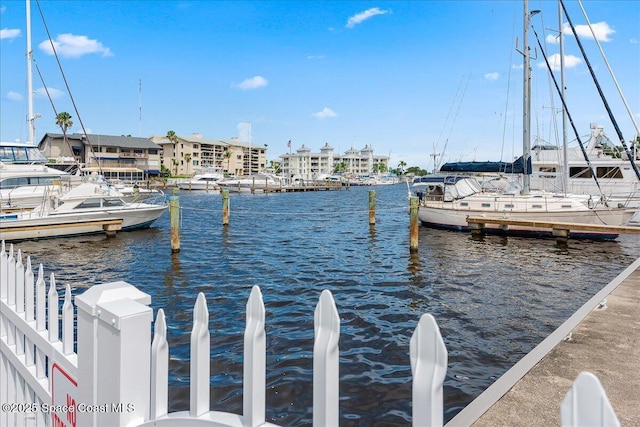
<point>44,382</point>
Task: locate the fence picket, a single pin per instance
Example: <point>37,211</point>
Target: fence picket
<point>19,302</point>
<point>11,295</point>
<point>159,368</point>
<point>40,356</point>
<point>29,292</point>
<point>325,362</point>
<point>52,311</point>
<point>255,348</point>
<point>428,356</point>
<point>67,323</point>
<point>200,351</point>
<point>19,283</point>
<point>3,275</point>
<point>586,403</point>
<point>41,301</point>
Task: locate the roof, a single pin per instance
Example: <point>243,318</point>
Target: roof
<point>106,140</point>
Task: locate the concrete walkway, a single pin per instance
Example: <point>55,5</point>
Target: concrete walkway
<point>604,340</point>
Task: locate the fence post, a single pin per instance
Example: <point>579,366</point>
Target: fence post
<point>114,354</point>
<point>428,356</point>
<point>413,227</point>
<point>255,349</point>
<point>174,213</point>
<point>325,362</point>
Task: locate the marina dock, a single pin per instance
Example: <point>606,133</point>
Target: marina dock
<point>602,337</point>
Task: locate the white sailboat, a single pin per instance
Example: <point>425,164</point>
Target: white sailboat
<point>448,201</point>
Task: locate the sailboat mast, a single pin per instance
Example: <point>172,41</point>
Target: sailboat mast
<point>32,119</point>
<point>565,150</point>
<point>526,119</point>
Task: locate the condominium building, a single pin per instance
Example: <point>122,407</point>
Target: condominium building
<point>192,152</point>
<point>112,155</point>
<point>309,165</point>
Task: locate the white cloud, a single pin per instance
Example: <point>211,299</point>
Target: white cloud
<point>6,33</point>
<point>491,76</point>
<point>73,46</point>
<point>633,41</point>
<point>570,61</point>
<point>254,82</point>
<point>14,96</point>
<point>601,30</point>
<point>53,93</point>
<point>363,16</point>
<point>325,113</point>
<point>315,56</point>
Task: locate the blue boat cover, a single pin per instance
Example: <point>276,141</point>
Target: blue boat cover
<point>504,167</point>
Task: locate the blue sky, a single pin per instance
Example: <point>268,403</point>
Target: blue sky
<point>399,76</point>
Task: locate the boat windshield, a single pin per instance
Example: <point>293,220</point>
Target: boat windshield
<point>21,154</point>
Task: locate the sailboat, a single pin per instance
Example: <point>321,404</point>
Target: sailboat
<point>447,201</point>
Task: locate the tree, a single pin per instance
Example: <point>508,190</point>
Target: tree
<point>173,138</point>
<point>401,166</point>
<point>340,167</point>
<point>227,155</point>
<point>187,158</point>
<point>63,120</point>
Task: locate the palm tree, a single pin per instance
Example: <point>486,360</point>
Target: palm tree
<point>227,155</point>
<point>340,167</point>
<point>401,166</point>
<point>63,120</point>
<point>187,158</point>
<point>173,138</point>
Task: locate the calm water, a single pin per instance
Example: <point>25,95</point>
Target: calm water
<point>494,298</point>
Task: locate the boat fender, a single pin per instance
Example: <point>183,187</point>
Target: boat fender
<point>590,203</point>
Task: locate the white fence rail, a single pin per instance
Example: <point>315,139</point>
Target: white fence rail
<point>43,382</point>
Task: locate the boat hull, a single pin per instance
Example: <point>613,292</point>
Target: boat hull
<point>455,219</point>
<point>27,227</point>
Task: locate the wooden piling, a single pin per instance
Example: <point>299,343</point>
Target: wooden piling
<point>413,214</point>
<point>174,211</point>
<point>372,207</point>
<point>225,207</point>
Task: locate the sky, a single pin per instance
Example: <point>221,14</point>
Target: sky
<point>407,78</point>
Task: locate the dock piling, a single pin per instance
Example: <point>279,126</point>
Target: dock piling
<point>225,207</point>
<point>372,207</point>
<point>174,211</point>
<point>413,215</point>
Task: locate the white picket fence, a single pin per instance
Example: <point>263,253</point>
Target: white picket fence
<point>119,377</point>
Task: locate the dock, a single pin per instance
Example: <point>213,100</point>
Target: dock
<point>602,337</point>
<point>560,230</point>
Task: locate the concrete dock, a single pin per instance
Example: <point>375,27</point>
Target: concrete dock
<point>602,337</point>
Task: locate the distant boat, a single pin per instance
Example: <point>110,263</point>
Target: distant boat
<point>88,208</point>
<point>447,201</point>
<point>259,183</point>
<point>205,179</point>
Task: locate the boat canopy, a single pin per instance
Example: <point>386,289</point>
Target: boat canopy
<point>504,167</point>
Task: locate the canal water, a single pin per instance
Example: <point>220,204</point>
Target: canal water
<point>494,298</point>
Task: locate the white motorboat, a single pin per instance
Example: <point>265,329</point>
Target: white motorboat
<point>254,183</point>
<point>24,177</point>
<point>87,208</point>
<point>206,179</point>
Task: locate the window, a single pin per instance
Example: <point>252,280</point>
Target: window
<point>609,172</point>
<point>580,172</point>
<point>486,205</point>
<point>536,206</point>
<point>508,206</point>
